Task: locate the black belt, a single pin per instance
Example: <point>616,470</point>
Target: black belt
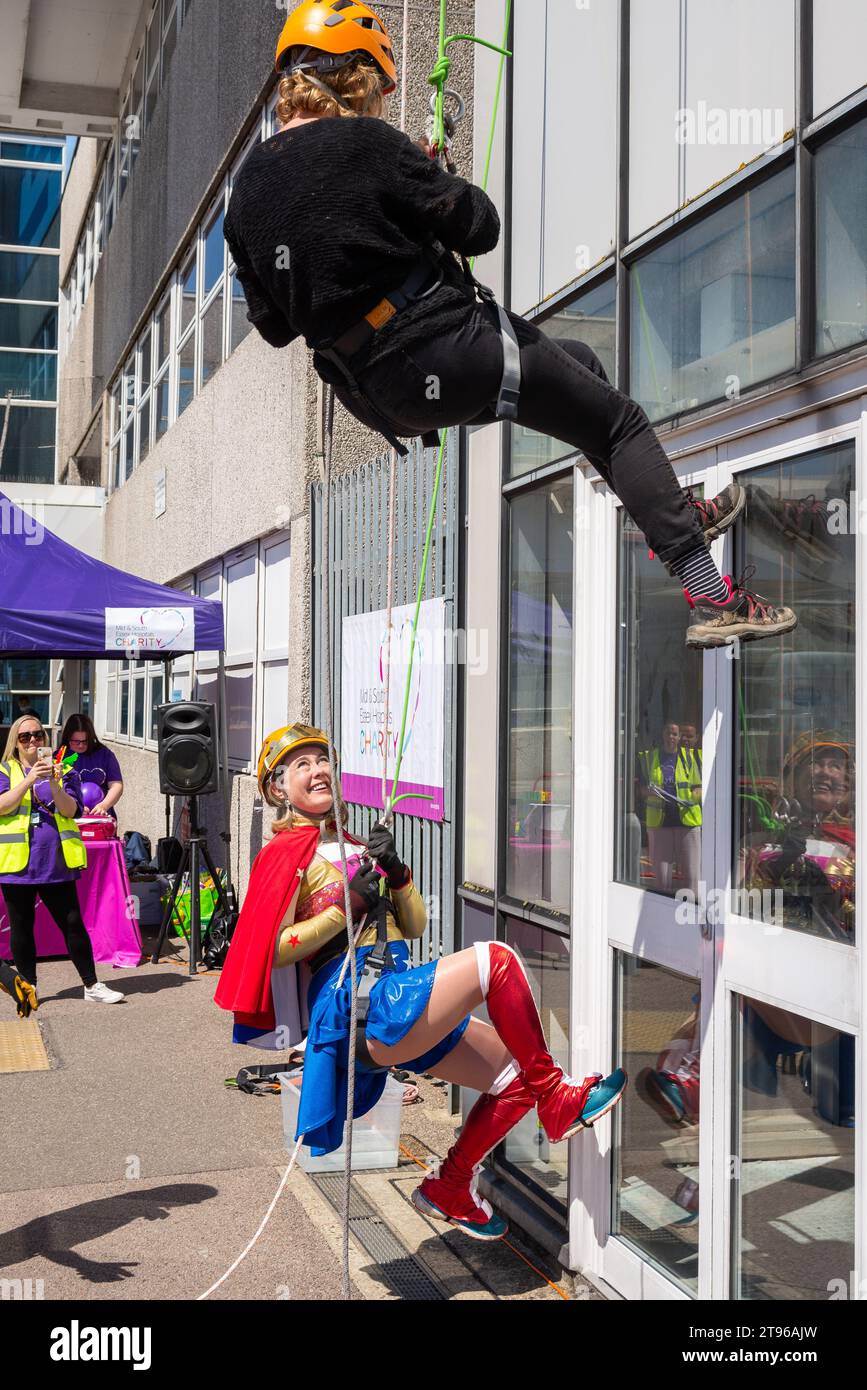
<point>424,277</point>
<point>342,350</point>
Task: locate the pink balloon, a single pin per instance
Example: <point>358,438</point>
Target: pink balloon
<point>91,795</point>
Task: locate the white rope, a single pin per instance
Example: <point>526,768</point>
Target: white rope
<point>389,603</point>
<point>264,1222</point>
<point>332,763</point>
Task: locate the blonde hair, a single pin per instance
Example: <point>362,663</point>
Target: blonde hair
<point>11,749</point>
<point>358,82</point>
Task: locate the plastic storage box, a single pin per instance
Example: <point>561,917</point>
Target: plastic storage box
<point>375,1136</point>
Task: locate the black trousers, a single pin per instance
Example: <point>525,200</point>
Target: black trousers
<point>454,378</point>
<point>61,899</point>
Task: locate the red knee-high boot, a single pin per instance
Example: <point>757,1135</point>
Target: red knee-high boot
<point>560,1100</point>
<point>450,1195</point>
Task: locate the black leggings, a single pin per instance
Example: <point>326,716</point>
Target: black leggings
<point>452,379</point>
<point>61,899</point>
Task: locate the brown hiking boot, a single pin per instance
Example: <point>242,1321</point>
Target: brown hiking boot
<point>718,513</point>
<point>743,616</point>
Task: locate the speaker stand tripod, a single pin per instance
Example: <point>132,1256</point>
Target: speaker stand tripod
<point>195,847</point>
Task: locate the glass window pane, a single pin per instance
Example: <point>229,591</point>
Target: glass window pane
<point>138,715</point>
<point>841,241</point>
<point>545,955</point>
<point>240,325</point>
<point>128,389</point>
<point>129,450</point>
<point>214,248</point>
<point>144,430</point>
<point>26,275</point>
<point>162,409</point>
<point>28,376</point>
<point>212,337</point>
<point>33,154</point>
<point>145,361</point>
<point>239,692</point>
<point>275,696</point>
<point>24,673</point>
<point>793,1175</point>
<point>589,319</point>
<point>712,311</point>
<point>540,697</point>
<point>276,620</point>
<point>659,723</point>
<point>187,373</point>
<point>655,1187</point>
<point>188,293</point>
<point>30,207</point>
<point>30,445</point>
<point>241,605</point>
<point>110,706</point>
<point>163,330</point>
<point>123,724</point>
<point>170,34</point>
<point>795,746</point>
<point>156,699</point>
<point>28,326</point>
<point>12,706</point>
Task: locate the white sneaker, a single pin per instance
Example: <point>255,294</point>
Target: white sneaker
<point>101,994</point>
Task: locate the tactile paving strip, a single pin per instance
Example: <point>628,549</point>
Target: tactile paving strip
<point>401,1270</point>
<point>21,1047</point>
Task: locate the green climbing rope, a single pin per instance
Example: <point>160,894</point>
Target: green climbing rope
<point>438,78</point>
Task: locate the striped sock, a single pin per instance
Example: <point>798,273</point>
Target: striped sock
<point>700,576</point>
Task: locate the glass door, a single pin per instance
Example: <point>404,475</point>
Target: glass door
<point>788,986</point>
<point>715,935</point>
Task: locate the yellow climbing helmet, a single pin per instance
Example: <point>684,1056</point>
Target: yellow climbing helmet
<point>326,34</point>
<point>281,742</point>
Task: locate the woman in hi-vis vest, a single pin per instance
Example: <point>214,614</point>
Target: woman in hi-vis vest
<point>41,852</point>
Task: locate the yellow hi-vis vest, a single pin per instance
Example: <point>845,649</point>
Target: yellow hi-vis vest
<point>15,831</point>
<point>687,773</point>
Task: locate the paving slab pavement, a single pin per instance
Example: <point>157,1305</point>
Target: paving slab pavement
<point>138,1174</point>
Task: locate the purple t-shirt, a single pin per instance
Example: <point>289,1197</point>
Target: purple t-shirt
<point>101,767</point>
<point>46,863</point>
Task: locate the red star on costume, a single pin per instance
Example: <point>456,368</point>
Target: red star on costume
<point>295,941</point>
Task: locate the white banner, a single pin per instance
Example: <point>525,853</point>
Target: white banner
<point>150,629</point>
<point>362,701</point>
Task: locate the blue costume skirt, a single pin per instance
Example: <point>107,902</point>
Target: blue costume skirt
<point>397,1001</point>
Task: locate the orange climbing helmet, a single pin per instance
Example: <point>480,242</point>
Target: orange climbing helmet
<point>327,34</point>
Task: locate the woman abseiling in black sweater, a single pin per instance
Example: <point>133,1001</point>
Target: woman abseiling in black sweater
<point>338,209</point>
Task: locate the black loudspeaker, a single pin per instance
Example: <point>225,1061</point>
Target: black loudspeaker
<point>187,748</point>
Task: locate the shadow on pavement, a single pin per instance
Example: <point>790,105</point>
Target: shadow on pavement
<point>53,1237</point>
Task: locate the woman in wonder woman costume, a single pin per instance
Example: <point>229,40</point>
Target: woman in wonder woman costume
<point>281,978</point>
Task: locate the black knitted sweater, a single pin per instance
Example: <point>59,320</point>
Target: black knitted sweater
<point>325,218</point>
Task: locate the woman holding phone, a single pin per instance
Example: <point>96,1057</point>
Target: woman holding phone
<point>41,853</point>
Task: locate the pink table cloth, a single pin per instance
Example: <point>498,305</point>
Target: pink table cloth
<point>106,906</point>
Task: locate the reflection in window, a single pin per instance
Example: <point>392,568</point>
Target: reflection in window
<point>713,308</point>
<point>546,959</point>
<point>655,1187</point>
<point>540,697</point>
<point>795,699</point>
<point>841,241</point>
<point>659,722</point>
<point>793,1179</point>
<point>588,319</point>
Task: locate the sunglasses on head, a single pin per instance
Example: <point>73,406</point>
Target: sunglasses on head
<point>36,737</point>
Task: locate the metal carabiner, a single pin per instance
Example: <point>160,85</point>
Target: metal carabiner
<point>451,120</point>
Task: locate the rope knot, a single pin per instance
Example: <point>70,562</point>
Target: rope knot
<point>440,73</point>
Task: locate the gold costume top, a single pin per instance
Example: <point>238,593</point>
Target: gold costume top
<point>317,914</point>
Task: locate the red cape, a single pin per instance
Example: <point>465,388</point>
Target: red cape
<point>245,982</point>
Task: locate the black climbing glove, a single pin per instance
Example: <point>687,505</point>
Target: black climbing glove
<point>364,890</point>
<point>380,845</point>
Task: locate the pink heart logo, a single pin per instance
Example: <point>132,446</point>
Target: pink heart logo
<point>171,618</point>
